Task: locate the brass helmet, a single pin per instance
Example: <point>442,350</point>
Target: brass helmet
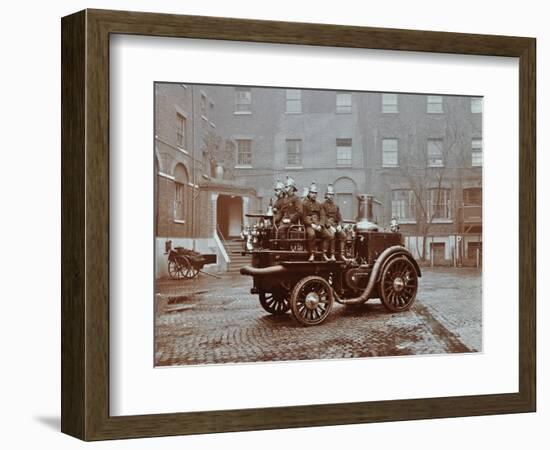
<point>330,189</point>
<point>290,183</point>
<point>313,187</point>
<point>279,185</point>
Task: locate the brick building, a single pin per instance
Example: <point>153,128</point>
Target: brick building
<point>220,149</point>
<point>196,204</point>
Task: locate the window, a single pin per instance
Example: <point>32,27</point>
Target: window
<point>181,130</point>
<point>403,205</point>
<point>203,106</point>
<point>476,105</point>
<point>244,152</point>
<point>435,153</point>
<point>343,102</point>
<point>472,205</point>
<point>343,152</point>
<point>179,211</point>
<point>211,113</point>
<point>389,153</point>
<point>435,104</point>
<point>294,152</point>
<point>439,204</point>
<point>472,197</point>
<point>389,103</point>
<point>181,179</point>
<point>477,152</point>
<point>243,100</point>
<point>293,101</point>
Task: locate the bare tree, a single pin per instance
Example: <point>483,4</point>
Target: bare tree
<point>218,152</point>
<point>428,174</point>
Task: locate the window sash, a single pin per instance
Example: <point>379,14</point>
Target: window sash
<point>244,152</point>
<point>440,208</point>
<point>435,104</point>
<point>390,157</point>
<point>403,204</point>
<point>181,130</point>
<point>243,100</point>
<point>343,152</point>
<point>294,152</point>
<point>389,103</point>
<point>179,198</point>
<point>476,105</point>
<point>343,103</point>
<point>294,100</point>
<point>472,197</point>
<point>477,152</point>
<point>435,153</point>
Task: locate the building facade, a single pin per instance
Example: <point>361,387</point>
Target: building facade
<point>220,150</point>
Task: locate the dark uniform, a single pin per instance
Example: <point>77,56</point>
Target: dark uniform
<point>314,214</point>
<point>277,210</point>
<point>291,209</point>
<point>333,218</point>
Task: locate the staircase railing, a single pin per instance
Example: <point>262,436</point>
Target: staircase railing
<point>220,237</point>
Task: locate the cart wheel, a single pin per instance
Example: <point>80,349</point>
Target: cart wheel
<point>189,271</point>
<point>274,303</point>
<point>398,284</point>
<point>175,269</point>
<point>311,300</point>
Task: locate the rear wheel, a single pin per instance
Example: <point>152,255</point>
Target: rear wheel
<point>275,303</point>
<point>311,300</point>
<point>398,284</point>
<point>189,270</point>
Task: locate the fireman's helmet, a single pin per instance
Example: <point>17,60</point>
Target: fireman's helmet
<point>313,187</point>
<point>290,183</point>
<point>330,190</point>
<point>279,185</point>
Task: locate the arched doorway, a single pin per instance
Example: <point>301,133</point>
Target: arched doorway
<point>345,189</point>
<point>229,215</point>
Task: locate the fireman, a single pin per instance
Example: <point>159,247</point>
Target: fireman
<point>277,206</point>
<point>290,211</point>
<point>333,225</point>
<point>313,217</point>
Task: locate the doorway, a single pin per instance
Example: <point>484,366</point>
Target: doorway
<point>229,214</point>
<point>438,253</point>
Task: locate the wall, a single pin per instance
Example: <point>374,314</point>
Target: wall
<point>30,189</point>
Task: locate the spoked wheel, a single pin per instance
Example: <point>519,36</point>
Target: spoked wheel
<point>189,271</point>
<point>275,303</point>
<point>311,300</point>
<point>175,269</point>
<point>398,284</point>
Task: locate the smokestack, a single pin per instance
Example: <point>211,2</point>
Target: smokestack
<point>366,213</point>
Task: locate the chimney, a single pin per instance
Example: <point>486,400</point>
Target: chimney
<point>366,213</point>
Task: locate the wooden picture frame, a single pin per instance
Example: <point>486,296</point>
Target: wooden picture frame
<point>85,224</point>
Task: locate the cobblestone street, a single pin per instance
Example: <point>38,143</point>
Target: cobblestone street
<point>208,320</point>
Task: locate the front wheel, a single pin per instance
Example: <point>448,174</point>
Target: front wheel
<point>398,284</point>
<point>311,300</point>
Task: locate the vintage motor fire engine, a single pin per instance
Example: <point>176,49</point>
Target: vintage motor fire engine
<point>376,265</point>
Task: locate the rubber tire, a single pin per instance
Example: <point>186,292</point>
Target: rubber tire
<point>298,308</point>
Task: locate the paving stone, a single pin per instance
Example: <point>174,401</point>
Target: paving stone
<point>210,321</point>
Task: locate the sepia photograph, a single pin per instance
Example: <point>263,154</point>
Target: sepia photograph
<point>307,224</point>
